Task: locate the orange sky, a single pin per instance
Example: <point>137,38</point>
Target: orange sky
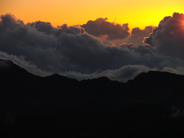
<point>138,13</point>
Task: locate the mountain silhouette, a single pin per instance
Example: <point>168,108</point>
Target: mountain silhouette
<point>151,105</point>
<point>153,87</point>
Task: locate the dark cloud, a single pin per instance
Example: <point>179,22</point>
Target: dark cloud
<point>138,35</point>
<point>101,27</point>
<point>167,38</point>
<point>69,30</point>
<point>49,29</point>
<point>8,21</point>
<point>69,50</point>
<point>42,26</point>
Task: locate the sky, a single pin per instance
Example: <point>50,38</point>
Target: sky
<point>90,39</point>
<point>137,13</point>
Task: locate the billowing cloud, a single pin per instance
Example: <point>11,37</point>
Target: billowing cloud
<point>69,50</point>
<point>49,29</point>
<point>42,26</point>
<point>167,38</point>
<point>102,28</point>
<point>138,35</point>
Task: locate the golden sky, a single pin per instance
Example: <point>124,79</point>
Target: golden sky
<point>138,13</point>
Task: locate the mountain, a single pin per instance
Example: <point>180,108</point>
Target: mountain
<point>158,87</point>
<point>18,85</point>
<point>151,105</point>
<point>157,80</point>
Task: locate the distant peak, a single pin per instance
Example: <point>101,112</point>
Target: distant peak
<point>150,73</point>
<point>55,75</point>
<point>101,79</point>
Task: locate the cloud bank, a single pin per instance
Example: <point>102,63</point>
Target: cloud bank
<point>70,50</point>
<point>101,27</point>
<point>138,35</point>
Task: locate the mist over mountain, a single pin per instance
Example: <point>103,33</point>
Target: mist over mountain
<point>150,105</point>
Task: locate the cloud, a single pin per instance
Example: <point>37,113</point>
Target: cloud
<point>126,72</point>
<point>102,28</point>
<point>69,50</point>
<point>167,38</point>
<point>4,63</point>
<point>138,35</point>
<point>122,74</point>
<point>47,28</point>
<point>42,26</point>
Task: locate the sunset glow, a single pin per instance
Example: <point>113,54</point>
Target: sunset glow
<point>136,13</point>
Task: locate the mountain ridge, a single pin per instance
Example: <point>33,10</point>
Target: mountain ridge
<point>154,86</point>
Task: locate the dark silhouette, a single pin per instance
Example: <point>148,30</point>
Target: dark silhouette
<point>56,106</point>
